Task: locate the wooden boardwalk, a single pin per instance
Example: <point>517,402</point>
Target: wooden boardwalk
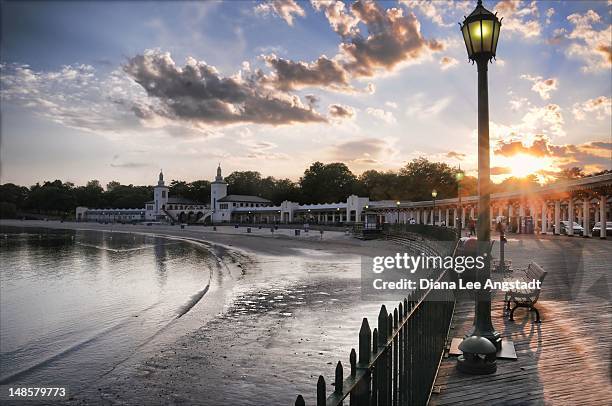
<point>565,360</point>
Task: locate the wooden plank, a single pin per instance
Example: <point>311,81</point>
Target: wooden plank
<point>570,338</point>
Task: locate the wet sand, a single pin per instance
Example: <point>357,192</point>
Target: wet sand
<point>260,336</point>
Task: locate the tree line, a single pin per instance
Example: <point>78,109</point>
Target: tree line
<point>321,183</point>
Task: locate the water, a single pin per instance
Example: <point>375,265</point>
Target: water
<point>74,304</point>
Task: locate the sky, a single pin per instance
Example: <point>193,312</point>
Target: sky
<point>119,90</point>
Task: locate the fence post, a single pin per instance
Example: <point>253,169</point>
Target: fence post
<point>364,342</point>
<point>400,345</point>
<point>353,361</point>
<point>321,391</point>
<point>395,356</point>
<point>376,366</point>
<point>389,359</point>
<point>361,393</point>
<point>339,378</point>
<point>299,401</point>
<point>382,363</point>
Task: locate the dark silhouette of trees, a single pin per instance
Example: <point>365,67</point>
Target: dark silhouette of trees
<point>251,183</point>
<point>321,183</point>
<point>327,183</point>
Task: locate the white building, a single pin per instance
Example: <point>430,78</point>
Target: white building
<point>163,208</point>
<point>585,198</point>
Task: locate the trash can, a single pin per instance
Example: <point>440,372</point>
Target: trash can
<point>248,229</point>
<point>297,232</point>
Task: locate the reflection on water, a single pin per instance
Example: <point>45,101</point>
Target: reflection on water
<point>75,303</point>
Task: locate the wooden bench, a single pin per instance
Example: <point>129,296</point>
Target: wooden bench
<point>526,297</point>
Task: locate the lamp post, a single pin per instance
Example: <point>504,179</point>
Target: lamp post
<point>481,32</point>
<point>434,194</point>
<point>398,211</point>
<point>459,217</point>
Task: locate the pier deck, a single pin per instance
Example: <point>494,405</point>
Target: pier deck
<point>564,360</point>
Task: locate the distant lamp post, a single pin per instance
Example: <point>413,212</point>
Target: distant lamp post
<point>434,194</point>
<point>481,32</point>
<point>398,210</point>
<point>459,177</point>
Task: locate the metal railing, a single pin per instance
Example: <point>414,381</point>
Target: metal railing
<point>397,363</point>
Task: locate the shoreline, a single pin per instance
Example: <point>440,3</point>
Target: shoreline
<point>295,308</point>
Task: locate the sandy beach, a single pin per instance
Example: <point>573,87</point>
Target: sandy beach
<point>287,309</point>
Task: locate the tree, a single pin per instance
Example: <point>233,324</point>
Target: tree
<point>329,183</point>
<point>179,188</point>
<point>284,189</point>
<point>111,185</point>
<point>8,210</point>
<point>90,195</point>
<point>52,197</point>
<point>11,193</point>
<point>244,183</point>
<point>128,197</point>
<point>380,185</point>
<point>199,191</point>
<point>420,176</point>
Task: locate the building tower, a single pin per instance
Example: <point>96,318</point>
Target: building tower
<point>218,189</point>
<point>160,196</point>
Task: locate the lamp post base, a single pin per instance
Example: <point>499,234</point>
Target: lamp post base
<point>490,335</point>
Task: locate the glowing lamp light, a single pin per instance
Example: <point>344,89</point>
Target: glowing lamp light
<point>434,193</point>
<point>481,32</point>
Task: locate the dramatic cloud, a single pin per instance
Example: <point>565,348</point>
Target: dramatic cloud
<point>543,120</point>
<point>592,46</point>
<point>341,111</point>
<point>436,10</point>
<point>448,62</point>
<point>367,151</point>
<point>600,106</point>
<point>198,93</point>
<point>285,9</point>
<point>520,17</point>
<point>393,39</point>
<point>342,22</point>
<point>549,14</point>
<point>595,155</point>
<point>419,107</point>
<point>455,155</point>
<point>538,148</point>
<point>74,96</point>
<point>542,86</point>
<point>324,72</point>
<point>382,115</point>
<point>500,170</point>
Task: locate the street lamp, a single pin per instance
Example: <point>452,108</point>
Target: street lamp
<point>459,177</point>
<point>398,211</point>
<point>434,194</point>
<point>481,32</point>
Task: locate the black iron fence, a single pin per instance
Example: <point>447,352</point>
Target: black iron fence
<point>425,230</point>
<point>397,363</point>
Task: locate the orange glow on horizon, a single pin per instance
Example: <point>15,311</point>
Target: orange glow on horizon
<point>522,165</point>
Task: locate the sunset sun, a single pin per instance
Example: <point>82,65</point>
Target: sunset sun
<point>522,165</point>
